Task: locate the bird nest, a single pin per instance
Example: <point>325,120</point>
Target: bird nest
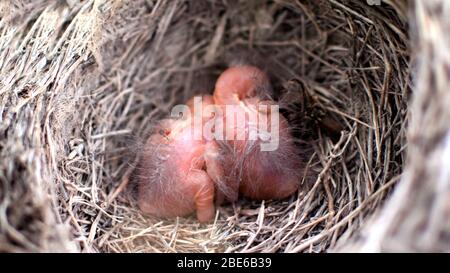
<point>82,83</point>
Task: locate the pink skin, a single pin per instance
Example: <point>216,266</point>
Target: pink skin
<point>176,173</point>
<point>257,174</point>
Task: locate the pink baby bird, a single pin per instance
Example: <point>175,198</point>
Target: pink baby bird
<point>176,172</point>
<point>255,173</point>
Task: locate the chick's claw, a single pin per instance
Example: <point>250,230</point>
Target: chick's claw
<point>203,188</point>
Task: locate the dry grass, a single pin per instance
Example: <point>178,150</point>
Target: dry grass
<point>416,217</point>
<point>82,82</point>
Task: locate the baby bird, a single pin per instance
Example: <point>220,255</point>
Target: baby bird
<point>176,171</point>
<point>255,173</point>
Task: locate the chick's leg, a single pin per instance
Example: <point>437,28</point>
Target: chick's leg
<point>203,189</point>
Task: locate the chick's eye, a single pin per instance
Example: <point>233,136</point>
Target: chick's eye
<point>164,132</point>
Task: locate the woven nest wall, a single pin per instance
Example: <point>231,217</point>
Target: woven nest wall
<point>82,83</point>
